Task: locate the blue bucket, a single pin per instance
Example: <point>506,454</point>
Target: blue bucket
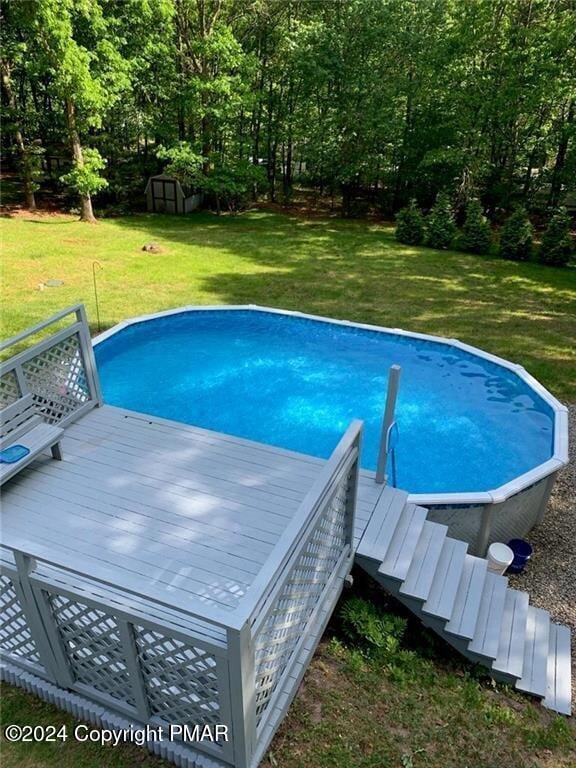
<point>522,553</point>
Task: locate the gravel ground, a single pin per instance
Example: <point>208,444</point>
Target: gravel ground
<point>550,578</point>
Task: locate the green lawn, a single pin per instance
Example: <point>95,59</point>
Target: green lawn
<point>419,707</point>
<point>352,270</point>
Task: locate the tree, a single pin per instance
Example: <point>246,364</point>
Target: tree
<point>88,73</point>
<point>556,246</point>
<point>476,232</point>
<point>410,225</point>
<point>183,163</point>
<point>232,183</point>
<point>440,224</point>
<point>382,101</point>
<point>15,51</point>
<point>516,236</point>
<point>85,178</point>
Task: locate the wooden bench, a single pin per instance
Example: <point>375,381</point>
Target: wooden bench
<point>21,424</point>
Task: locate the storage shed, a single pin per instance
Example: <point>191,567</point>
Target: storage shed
<point>165,194</point>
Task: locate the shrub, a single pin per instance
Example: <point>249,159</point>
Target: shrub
<point>516,237</point>
<point>410,225</point>
<point>476,232</point>
<point>364,624</point>
<point>556,246</point>
<point>440,223</point>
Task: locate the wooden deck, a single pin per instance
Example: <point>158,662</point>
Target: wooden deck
<point>174,512</point>
<point>166,573</point>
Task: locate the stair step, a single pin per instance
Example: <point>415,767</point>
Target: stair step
<point>383,522</point>
<point>535,667</point>
<point>425,561</point>
<point>440,602</point>
<point>489,621</point>
<point>559,674</point>
<point>400,551</point>
<point>468,598</point>
<point>510,658</point>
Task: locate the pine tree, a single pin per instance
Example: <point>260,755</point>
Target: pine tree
<point>516,237</point>
<point>556,247</point>
<point>476,232</point>
<point>440,223</point>
<point>410,225</point>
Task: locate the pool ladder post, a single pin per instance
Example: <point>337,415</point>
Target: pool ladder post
<point>389,428</point>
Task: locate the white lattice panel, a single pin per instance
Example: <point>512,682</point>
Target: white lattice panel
<point>93,647</point>
<point>287,620</point>
<point>180,679</point>
<point>57,379</point>
<point>9,389</point>
<point>15,637</point>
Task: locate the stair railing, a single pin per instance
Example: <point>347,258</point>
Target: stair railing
<point>389,437</point>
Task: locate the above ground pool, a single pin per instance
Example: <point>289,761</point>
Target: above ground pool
<point>467,422</point>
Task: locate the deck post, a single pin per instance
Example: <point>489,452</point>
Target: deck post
<point>126,631</point>
<point>546,497</point>
<point>388,421</point>
<point>352,491</point>
<point>242,694</point>
<point>25,566</point>
<point>88,355</point>
<point>485,529</point>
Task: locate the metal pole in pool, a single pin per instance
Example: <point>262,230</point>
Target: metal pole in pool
<point>94,265</point>
<point>388,422</point>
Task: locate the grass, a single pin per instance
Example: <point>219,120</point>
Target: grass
<point>350,270</point>
<point>417,706</point>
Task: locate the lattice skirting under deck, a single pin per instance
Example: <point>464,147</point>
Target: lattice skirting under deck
<point>98,716</point>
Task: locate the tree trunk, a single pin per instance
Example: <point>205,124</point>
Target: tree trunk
<point>29,197</point>
<point>556,184</point>
<point>86,211</point>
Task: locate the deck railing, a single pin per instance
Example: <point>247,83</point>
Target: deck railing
<point>322,553</point>
<point>59,371</point>
<point>134,656</point>
<point>163,664</point>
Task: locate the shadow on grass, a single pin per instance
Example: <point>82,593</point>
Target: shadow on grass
<point>357,271</point>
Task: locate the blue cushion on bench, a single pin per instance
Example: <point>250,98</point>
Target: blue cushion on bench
<point>13,454</point>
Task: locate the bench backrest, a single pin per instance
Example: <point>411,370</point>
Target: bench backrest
<point>18,418</point>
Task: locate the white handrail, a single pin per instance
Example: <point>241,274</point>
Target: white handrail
<point>76,308</point>
<point>388,422</point>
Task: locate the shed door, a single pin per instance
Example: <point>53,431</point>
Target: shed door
<point>164,196</point>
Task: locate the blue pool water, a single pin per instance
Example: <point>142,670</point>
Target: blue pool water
<point>465,424</point>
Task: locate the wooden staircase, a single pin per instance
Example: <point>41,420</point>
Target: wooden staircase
<point>473,609</point>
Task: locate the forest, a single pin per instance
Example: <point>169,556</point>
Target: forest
<point>367,104</point>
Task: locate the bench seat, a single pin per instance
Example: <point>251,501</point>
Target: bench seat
<point>22,425</point>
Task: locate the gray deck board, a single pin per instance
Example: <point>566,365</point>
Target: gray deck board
<point>468,598</point>
<point>423,568</point>
<point>402,547</point>
<point>489,621</point>
<point>382,524</point>
<point>157,506</point>
<point>445,584</point>
<point>510,659</point>
<point>177,512</point>
<point>142,444</point>
<point>86,491</point>
<point>535,666</point>
<point>559,688</point>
